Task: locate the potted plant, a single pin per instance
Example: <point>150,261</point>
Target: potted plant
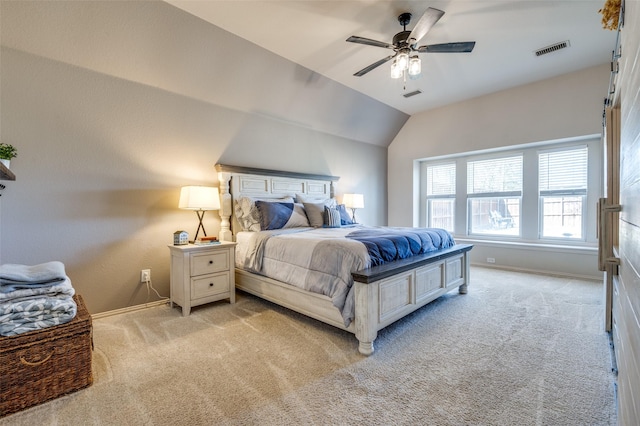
<point>7,152</point>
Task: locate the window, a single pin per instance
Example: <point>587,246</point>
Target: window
<point>562,183</point>
<point>542,192</point>
<point>441,196</point>
<point>494,193</point>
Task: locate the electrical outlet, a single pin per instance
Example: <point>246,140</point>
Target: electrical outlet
<point>145,275</point>
<point>491,260</point>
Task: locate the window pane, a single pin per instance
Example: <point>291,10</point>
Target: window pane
<point>495,175</point>
<point>441,179</point>
<point>441,213</point>
<point>563,185</point>
<point>563,170</point>
<point>495,216</point>
<point>562,217</point>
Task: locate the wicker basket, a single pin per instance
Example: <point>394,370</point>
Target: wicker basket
<point>39,366</point>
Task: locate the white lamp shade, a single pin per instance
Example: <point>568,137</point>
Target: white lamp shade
<point>353,201</point>
<point>199,198</point>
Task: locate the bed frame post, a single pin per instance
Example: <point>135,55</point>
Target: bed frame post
<point>366,331</point>
<point>225,207</point>
<point>466,271</point>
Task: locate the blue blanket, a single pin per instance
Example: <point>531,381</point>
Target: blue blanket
<point>17,277</point>
<point>389,244</point>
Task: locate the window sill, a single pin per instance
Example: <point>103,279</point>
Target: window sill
<point>584,248</point>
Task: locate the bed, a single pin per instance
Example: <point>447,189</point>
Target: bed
<point>380,294</point>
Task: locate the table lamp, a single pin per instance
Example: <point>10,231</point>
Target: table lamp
<point>200,199</point>
<point>353,202</point>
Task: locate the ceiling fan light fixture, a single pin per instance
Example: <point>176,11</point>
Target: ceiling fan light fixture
<point>396,71</point>
<point>406,63</point>
<point>415,66</point>
<point>403,60</point>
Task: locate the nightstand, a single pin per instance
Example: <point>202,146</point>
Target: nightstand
<point>202,274</point>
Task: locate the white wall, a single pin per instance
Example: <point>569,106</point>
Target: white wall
<point>563,107</point>
<point>113,106</point>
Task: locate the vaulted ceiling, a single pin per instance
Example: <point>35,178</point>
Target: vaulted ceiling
<point>507,33</point>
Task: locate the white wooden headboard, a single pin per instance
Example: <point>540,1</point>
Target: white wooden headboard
<point>237,181</point>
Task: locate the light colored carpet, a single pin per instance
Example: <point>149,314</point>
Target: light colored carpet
<point>519,349</point>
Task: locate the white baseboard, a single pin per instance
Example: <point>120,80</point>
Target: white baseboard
<point>129,309</point>
<point>537,271</point>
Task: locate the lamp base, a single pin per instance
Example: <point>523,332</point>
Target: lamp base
<point>200,214</point>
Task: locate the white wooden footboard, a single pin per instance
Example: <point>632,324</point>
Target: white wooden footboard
<point>384,294</point>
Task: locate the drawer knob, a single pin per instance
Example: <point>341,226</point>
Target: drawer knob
<point>210,284</point>
<point>210,262</point>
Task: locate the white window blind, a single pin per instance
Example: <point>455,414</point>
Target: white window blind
<point>441,179</point>
<point>495,176</point>
<point>563,172</point>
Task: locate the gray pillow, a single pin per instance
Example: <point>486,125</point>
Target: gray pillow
<point>315,214</point>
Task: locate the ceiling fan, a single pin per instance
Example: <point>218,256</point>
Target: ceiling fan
<point>405,45</point>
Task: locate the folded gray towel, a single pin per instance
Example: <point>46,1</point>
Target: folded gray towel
<point>44,273</point>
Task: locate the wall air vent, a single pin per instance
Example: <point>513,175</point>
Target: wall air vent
<point>410,94</point>
<point>552,48</point>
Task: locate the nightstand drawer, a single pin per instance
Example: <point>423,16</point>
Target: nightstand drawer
<point>210,285</point>
<point>207,263</point>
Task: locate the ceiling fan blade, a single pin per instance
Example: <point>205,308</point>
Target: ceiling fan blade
<point>427,20</point>
<point>370,42</point>
<point>459,47</point>
<point>373,66</point>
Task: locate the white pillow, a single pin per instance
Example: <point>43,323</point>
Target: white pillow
<point>329,202</point>
<point>247,213</point>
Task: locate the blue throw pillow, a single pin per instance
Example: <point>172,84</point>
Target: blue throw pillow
<point>345,219</point>
<point>281,215</point>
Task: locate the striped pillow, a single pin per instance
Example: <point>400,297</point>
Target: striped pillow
<point>331,217</point>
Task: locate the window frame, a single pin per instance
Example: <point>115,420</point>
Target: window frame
<point>430,198</point>
<point>561,193</point>
<point>505,194</point>
<point>531,217</point>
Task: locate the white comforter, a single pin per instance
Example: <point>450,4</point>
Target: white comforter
<point>318,260</point>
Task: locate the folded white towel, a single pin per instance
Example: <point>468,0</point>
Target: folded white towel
<point>49,272</point>
<point>17,292</point>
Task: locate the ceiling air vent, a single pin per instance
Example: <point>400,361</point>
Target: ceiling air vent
<point>552,48</point>
<point>410,94</point>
